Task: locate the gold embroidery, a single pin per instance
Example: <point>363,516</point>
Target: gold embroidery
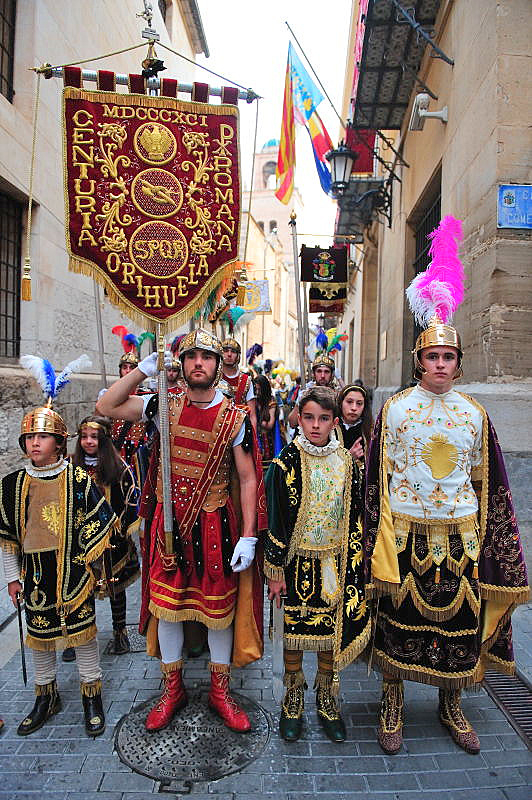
<point>40,622</point>
<point>51,514</point>
<point>439,455</point>
<point>292,491</point>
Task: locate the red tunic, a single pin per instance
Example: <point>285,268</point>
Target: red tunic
<point>240,386</point>
<point>204,588</point>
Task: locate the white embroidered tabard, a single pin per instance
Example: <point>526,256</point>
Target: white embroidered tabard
<point>433,442</point>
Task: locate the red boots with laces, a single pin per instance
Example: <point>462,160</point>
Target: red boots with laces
<point>173,698</point>
<point>221,702</point>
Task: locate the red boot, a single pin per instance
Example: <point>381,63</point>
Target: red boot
<point>172,699</point>
<point>222,703</point>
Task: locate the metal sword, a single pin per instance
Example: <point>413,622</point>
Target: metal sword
<point>278,649</point>
<point>21,637</point>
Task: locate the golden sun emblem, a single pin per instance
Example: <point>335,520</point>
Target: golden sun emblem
<point>51,514</point>
<point>440,455</point>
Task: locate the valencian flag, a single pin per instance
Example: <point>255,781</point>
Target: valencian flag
<point>326,271</point>
<point>152,192</point>
<point>301,98</point>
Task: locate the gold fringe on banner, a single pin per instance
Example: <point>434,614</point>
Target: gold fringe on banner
<point>150,101</point>
<point>83,267</point>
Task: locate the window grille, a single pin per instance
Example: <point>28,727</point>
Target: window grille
<point>8,10</point>
<point>10,256</point>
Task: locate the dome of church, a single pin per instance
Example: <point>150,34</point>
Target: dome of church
<point>271,143</point>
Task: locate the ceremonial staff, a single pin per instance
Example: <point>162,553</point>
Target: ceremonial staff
<point>21,637</point>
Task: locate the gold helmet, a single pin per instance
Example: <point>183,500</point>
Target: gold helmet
<point>200,339</point>
<point>323,360</point>
<point>42,420</point>
<point>175,364</point>
<point>231,344</point>
<point>437,334</point>
<point>129,358</point>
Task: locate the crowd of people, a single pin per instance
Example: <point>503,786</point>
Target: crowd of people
<point>395,542</point>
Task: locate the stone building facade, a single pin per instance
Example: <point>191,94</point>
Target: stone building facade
<point>59,323</point>
<point>448,168</point>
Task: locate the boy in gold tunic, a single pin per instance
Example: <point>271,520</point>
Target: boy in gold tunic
<point>313,556</point>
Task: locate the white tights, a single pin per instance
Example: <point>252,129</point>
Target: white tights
<point>87,660</point>
<point>171,638</point>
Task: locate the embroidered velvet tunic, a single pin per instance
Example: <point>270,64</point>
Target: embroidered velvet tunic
<point>314,544</point>
<point>122,497</point>
<point>58,580</point>
<point>449,567</point>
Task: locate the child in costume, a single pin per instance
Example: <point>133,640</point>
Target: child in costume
<point>441,539</point>
<point>54,528</point>
<point>355,421</point>
<point>313,555</point>
<point>96,454</point>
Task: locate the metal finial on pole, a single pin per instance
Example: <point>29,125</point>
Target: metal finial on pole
<point>300,337</point>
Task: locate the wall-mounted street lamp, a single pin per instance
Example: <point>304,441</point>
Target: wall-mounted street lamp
<point>341,160</point>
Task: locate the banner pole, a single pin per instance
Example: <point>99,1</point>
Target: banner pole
<point>99,330</point>
<point>300,338</point>
<point>164,435</point>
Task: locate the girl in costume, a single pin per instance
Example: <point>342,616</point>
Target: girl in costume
<point>96,454</point>
<point>270,435</point>
<point>355,420</point>
<point>54,529</point>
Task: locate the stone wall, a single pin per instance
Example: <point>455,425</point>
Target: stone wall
<point>19,394</point>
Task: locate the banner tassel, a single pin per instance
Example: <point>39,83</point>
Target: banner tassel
<point>25,289</point>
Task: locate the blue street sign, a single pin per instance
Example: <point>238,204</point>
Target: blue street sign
<point>514,206</point>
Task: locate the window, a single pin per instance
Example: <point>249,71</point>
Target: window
<point>162,9</point>
<point>8,10</point>
<point>426,224</point>
<point>273,225</point>
<point>10,247</point>
<point>261,225</point>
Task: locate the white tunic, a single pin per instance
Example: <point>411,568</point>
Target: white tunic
<point>433,443</point>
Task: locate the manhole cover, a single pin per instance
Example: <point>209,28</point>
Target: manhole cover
<point>195,747</point>
<point>137,643</point>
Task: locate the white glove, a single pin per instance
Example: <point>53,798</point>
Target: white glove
<point>243,553</point>
<point>148,365</point>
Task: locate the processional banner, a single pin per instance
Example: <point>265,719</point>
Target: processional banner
<point>152,194</point>
<point>326,271</point>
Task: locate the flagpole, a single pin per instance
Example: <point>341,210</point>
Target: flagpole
<point>99,331</point>
<point>300,338</point>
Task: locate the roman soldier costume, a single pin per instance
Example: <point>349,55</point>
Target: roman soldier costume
<point>442,545</point>
<point>54,528</point>
<point>314,544</point>
<point>323,360</point>
<point>240,383</point>
<point>131,438</point>
<point>194,579</point>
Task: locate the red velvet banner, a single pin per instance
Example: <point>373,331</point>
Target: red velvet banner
<point>152,193</point>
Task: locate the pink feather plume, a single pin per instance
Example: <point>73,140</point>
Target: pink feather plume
<point>440,289</point>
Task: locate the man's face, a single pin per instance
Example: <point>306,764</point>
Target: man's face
<point>322,376</point>
<point>440,364</point>
<point>125,368</point>
<point>230,356</point>
<point>316,423</point>
<point>172,376</point>
<point>199,368</point>
<point>42,448</point>
<point>89,440</point>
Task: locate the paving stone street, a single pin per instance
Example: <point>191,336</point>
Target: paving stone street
<point>60,763</point>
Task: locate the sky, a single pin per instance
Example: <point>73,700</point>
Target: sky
<point>248,43</point>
